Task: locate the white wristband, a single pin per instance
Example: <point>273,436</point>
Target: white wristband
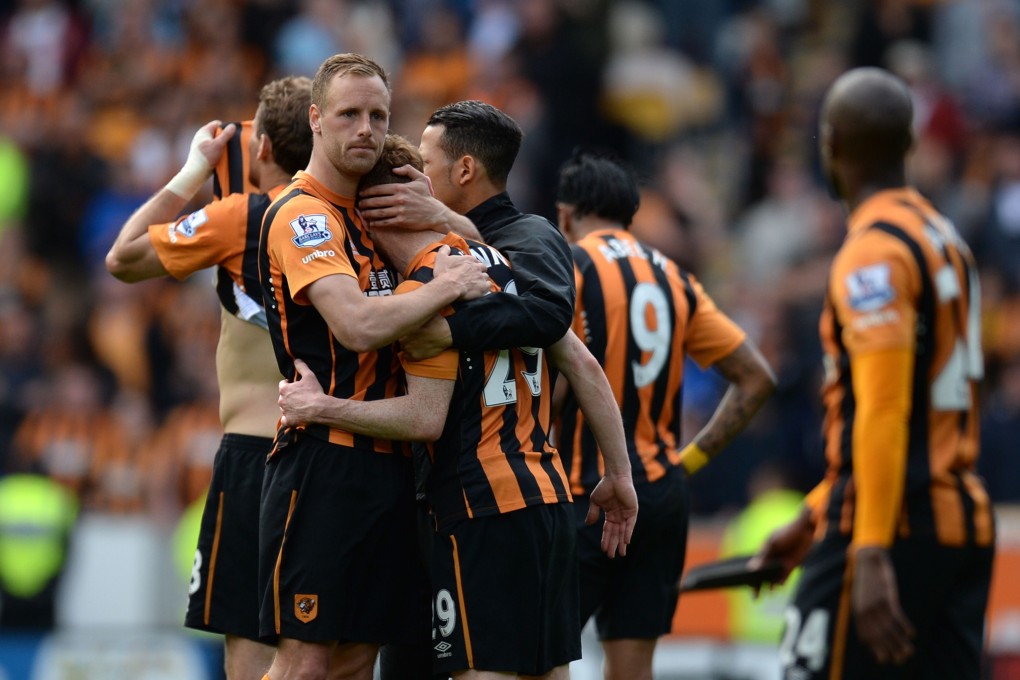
<point>196,170</point>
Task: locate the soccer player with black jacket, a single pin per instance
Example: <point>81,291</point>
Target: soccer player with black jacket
<point>469,134</point>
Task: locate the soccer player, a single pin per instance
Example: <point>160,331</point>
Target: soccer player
<point>895,582</point>
<point>337,521</point>
<point>224,592</point>
<point>640,315</point>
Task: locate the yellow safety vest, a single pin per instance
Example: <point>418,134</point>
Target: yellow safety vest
<point>759,620</point>
<point>36,516</point>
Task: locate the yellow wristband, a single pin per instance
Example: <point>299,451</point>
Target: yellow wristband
<point>693,458</point>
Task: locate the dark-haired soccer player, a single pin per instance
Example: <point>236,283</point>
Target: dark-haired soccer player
<point>899,536</point>
<point>224,592</point>
<point>640,315</point>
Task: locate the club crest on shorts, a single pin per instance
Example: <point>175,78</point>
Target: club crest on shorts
<point>310,231</point>
<point>305,607</point>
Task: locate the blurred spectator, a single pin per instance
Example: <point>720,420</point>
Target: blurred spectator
<point>653,91</point>
<point>999,463</point>
<point>62,165</point>
<point>997,243</point>
<point>40,47</point>
<point>182,457</point>
<point>435,72</point>
<point>36,519</point>
<point>76,439</point>
<point>884,22</point>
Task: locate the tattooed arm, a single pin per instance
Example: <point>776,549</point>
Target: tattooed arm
<point>751,383</point>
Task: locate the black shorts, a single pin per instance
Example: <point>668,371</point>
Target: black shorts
<point>634,597</point>
<point>224,590</point>
<point>505,592</point>
<point>943,592</point>
<point>337,549</point>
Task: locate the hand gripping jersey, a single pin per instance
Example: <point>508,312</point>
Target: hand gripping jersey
<point>494,454</point>
<point>224,233</point>
<point>638,313</point>
<point>309,233</point>
<point>904,279</point>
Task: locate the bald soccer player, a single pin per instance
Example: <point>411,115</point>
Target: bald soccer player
<point>897,541</point>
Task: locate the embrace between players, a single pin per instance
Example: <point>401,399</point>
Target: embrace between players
<point>460,558</point>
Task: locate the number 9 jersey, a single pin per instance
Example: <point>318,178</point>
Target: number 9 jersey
<point>639,314</point>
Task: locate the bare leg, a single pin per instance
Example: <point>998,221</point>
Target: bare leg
<point>245,659</point>
<point>628,659</point>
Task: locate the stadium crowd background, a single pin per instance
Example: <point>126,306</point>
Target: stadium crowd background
<point>111,389</point>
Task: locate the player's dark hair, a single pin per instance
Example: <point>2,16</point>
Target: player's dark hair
<point>598,185</point>
<point>284,119</point>
<point>480,130</point>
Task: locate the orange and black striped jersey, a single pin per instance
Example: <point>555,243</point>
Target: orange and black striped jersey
<point>639,314</point>
<point>230,176</point>
<point>224,233</point>
<point>309,233</point>
<point>494,455</point>
<point>904,280</point>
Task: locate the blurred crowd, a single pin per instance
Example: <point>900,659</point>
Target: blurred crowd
<point>110,388</point>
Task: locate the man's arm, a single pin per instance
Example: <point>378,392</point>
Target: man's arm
<point>132,257</point>
<point>882,385</point>
<point>615,493</point>
<point>417,416</point>
<point>411,206</point>
<point>362,323</point>
<point>751,384</point>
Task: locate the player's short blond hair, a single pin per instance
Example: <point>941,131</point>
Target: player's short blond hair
<point>344,64</point>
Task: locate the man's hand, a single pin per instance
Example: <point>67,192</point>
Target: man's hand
<point>403,206</point>
<point>466,274</point>
<point>789,544</point>
<point>616,495</point>
<point>299,400</point>
<point>429,340</point>
<point>204,153</point>
<point>881,624</point>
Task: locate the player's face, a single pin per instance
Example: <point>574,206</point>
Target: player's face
<point>353,123</point>
<point>437,166</point>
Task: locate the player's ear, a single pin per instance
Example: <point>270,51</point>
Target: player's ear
<point>315,119</point>
<point>265,148</point>
<point>564,218</point>
<point>467,169</point>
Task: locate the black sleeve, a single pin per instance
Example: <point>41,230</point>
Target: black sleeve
<point>543,309</point>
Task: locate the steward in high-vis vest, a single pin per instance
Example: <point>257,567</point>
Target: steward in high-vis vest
<point>36,518</point>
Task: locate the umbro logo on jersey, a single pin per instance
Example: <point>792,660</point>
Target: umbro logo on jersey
<point>310,231</point>
<point>305,607</point>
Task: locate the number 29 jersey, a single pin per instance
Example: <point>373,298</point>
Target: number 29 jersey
<point>639,314</point>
